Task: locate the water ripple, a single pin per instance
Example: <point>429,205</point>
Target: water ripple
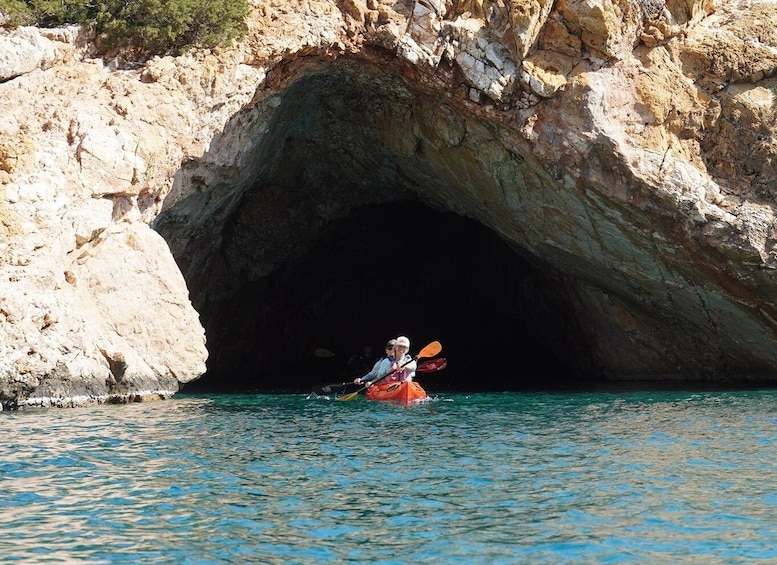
<point>499,478</point>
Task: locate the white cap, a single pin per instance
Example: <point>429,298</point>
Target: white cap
<point>402,340</point>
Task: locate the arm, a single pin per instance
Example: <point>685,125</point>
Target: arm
<point>384,367</point>
<point>373,374</point>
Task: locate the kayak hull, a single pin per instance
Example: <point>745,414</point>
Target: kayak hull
<point>405,392</point>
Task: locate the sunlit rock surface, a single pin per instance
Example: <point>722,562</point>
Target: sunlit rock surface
<point>589,182</point>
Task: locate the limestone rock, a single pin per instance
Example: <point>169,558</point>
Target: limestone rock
<point>545,72</point>
<point>25,50</point>
<point>630,145</point>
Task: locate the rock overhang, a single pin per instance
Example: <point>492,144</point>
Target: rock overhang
<point>342,142</point>
<point>347,135</point>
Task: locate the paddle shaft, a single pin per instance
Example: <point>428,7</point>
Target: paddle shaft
<point>394,372</point>
<point>352,395</point>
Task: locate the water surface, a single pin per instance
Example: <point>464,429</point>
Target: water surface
<point>643,477</point>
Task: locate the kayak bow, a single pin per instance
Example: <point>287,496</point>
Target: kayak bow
<point>405,392</point>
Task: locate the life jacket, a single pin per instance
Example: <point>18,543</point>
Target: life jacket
<point>403,373</point>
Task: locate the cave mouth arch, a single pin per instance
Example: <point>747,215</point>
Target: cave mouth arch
<point>503,322</point>
<point>351,222</point>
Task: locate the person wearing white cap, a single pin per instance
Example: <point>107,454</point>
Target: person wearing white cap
<point>403,364</point>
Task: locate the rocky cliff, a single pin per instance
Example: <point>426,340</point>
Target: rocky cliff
<point>623,151</point>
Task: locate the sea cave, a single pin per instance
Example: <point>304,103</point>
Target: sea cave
<point>342,232</point>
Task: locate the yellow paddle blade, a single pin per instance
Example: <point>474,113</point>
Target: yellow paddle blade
<point>349,396</point>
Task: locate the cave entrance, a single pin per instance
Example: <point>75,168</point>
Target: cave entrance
<point>336,213</point>
<point>386,270</point>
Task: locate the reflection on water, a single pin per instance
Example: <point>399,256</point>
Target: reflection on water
<point>493,478</point>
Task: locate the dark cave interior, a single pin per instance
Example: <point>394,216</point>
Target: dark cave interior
<point>336,245</point>
<point>387,270</point>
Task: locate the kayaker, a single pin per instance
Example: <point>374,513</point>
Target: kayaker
<point>401,358</point>
<point>381,366</point>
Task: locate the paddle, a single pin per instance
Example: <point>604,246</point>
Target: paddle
<point>323,390</point>
<point>432,365</point>
<point>429,351</point>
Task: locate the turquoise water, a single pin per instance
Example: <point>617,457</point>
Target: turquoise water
<point>633,477</point>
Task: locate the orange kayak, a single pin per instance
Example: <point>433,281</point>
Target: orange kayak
<point>406,392</point>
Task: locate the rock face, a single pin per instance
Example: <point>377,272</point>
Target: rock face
<point>624,149</point>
